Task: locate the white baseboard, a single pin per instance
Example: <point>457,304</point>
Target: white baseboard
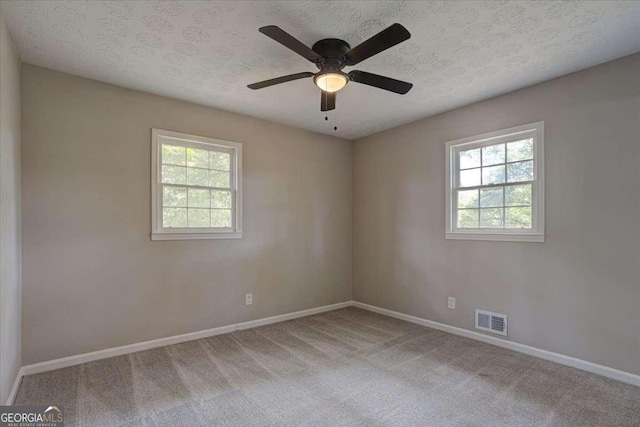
<point>64,362</point>
<point>605,371</point>
<point>14,388</point>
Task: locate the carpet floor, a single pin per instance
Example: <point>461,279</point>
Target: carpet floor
<point>348,367</point>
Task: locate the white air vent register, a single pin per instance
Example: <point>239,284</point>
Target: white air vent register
<point>491,322</point>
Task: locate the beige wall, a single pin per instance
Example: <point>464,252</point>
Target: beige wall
<point>579,292</point>
<point>93,279</point>
<point>10,253</point>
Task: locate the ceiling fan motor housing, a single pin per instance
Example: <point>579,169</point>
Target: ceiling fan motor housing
<point>333,54</point>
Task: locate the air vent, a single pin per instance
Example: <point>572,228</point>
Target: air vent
<point>491,322</point>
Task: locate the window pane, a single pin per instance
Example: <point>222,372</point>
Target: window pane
<point>174,217</point>
<point>174,196</point>
<point>198,198</point>
<point>493,175</point>
<point>470,159</point>
<point>518,217</point>
<point>470,178</point>
<point>220,199</point>
<point>518,195</point>
<point>219,179</point>
<point>468,198</point>
<point>174,174</point>
<point>199,218</point>
<point>173,155</point>
<point>491,197</point>
<point>221,218</point>
<point>491,218</point>
<point>220,161</point>
<point>197,158</point>
<point>468,218</point>
<point>520,150</point>
<point>522,171</point>
<point>198,177</point>
<point>493,155</point>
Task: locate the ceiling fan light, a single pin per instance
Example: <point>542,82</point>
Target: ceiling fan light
<point>331,82</point>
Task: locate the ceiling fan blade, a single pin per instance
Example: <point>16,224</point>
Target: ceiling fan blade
<point>382,41</point>
<point>382,82</point>
<point>287,40</point>
<point>328,101</point>
<point>278,80</point>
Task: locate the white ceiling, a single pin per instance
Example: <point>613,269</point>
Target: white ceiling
<point>207,52</point>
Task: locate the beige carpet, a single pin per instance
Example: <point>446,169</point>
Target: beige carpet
<point>348,367</point>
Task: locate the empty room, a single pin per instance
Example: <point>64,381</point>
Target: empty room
<point>319,213</point>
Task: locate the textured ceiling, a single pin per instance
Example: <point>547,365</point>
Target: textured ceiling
<point>207,52</point>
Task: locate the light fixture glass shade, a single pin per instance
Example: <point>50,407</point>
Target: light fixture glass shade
<point>331,82</point>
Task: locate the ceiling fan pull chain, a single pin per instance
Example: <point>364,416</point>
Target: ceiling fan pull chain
<point>326,100</point>
<point>335,120</point>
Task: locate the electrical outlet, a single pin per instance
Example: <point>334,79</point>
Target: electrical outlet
<point>451,303</point>
<point>248,299</point>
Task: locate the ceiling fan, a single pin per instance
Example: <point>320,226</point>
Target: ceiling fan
<point>332,55</point>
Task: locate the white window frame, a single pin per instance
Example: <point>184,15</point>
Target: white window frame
<point>158,232</point>
<point>536,233</point>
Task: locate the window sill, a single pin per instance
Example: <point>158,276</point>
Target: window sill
<point>539,238</point>
<point>195,236</point>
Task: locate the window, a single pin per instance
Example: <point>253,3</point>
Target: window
<point>196,187</point>
<point>495,185</point>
